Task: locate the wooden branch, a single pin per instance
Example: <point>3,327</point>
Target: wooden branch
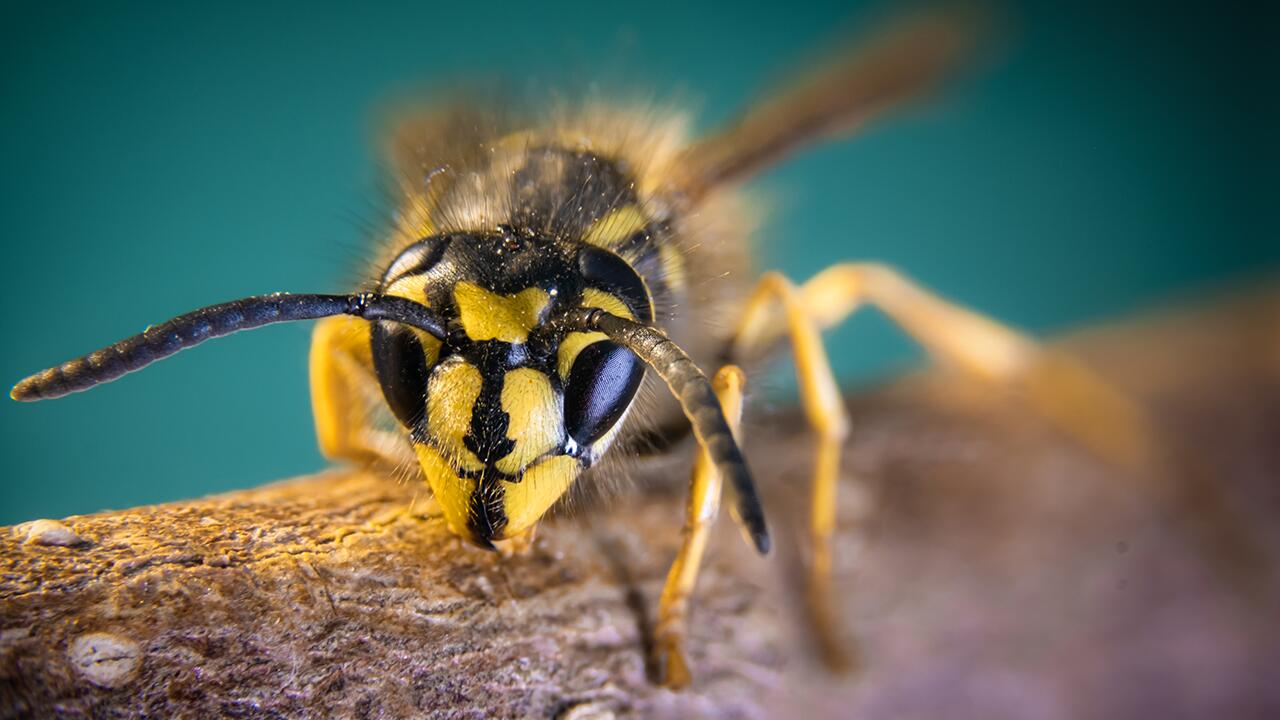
<point>987,567</point>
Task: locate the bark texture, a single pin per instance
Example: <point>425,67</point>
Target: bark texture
<point>987,567</point>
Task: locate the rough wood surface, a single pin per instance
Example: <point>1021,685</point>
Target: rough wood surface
<point>987,568</point>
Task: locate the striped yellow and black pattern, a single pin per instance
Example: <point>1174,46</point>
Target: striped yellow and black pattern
<point>502,233</point>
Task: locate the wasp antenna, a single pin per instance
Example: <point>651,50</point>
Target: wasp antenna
<point>161,341</point>
<point>698,400</point>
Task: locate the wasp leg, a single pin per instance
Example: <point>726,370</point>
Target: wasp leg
<point>704,504</point>
<point>346,398</point>
<point>1059,388</point>
<point>1055,385</point>
<point>824,408</point>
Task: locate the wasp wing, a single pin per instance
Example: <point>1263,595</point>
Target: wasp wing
<point>909,58</point>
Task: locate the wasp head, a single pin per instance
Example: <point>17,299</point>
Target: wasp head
<point>510,405</point>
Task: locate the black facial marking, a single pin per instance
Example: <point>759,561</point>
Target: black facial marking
<point>505,264</point>
<point>606,271</point>
<point>487,437</point>
<point>401,366</point>
<point>486,517</point>
<point>602,382</point>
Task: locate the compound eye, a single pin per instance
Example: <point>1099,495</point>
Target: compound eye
<point>401,365</point>
<point>602,382</point>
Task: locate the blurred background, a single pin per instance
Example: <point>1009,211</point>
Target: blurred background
<point>1104,158</point>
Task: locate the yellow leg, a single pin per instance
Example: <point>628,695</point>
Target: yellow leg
<point>346,399</point>
<point>824,408</point>
<point>700,513</point>
<point>1058,387</point>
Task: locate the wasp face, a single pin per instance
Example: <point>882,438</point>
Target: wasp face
<point>509,407</point>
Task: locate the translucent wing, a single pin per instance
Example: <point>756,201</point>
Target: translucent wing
<point>908,59</point>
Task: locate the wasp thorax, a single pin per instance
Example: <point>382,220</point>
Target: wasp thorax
<point>507,409</point>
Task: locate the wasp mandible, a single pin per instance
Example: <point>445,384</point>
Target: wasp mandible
<point>541,265</point>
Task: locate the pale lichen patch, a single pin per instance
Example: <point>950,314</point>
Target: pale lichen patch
<point>104,659</point>
<point>49,532</point>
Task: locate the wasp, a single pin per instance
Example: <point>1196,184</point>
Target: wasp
<point>540,272</point>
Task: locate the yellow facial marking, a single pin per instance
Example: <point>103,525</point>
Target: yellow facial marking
<point>610,230</point>
<point>430,345</point>
<point>527,501</point>
<point>413,288</point>
<point>536,419</point>
<point>610,303</point>
<point>574,342</point>
<point>489,316</point>
<point>452,492</point>
<point>451,394</point>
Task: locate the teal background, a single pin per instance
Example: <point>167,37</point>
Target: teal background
<point>1108,157</point>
